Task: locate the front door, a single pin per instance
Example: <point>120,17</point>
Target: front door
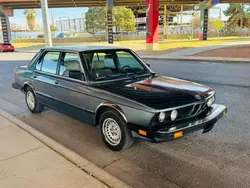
<point>71,86</point>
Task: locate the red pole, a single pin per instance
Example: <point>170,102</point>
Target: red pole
<point>152,21</point>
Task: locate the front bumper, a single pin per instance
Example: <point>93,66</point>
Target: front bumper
<point>205,122</point>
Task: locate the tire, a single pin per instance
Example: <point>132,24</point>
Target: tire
<point>35,107</point>
<point>124,141</point>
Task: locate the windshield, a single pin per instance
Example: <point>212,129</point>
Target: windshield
<point>113,64</point>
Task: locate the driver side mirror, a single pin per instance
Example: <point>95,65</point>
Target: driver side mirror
<point>75,74</point>
<point>148,64</point>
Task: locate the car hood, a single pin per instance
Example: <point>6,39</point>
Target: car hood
<point>160,92</point>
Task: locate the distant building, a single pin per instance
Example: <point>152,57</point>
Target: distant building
<point>76,24</point>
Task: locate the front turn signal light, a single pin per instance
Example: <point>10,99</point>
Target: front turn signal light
<point>178,135</point>
<point>142,132</point>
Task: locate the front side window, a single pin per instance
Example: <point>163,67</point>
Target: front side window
<point>113,64</point>
<point>70,66</point>
<point>49,62</point>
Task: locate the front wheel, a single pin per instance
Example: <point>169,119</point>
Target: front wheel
<point>114,131</point>
<point>33,105</point>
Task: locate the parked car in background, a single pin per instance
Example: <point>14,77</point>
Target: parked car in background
<point>114,89</point>
<point>4,47</point>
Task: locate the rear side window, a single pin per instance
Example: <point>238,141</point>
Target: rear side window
<point>49,62</point>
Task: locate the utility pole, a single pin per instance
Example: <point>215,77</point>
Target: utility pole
<point>220,15</point>
<point>182,6</point>
<point>52,19</point>
<point>83,22</point>
<point>192,32</point>
<point>165,20</point>
<point>61,24</point>
<point>69,23</point>
<point>46,26</point>
<point>241,20</point>
<point>167,24</point>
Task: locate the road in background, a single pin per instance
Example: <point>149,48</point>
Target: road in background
<point>220,158</point>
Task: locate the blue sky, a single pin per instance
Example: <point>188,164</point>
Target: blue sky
<point>19,18</point>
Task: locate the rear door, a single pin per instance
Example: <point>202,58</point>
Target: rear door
<point>45,77</point>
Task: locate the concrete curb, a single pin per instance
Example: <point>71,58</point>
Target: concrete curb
<point>74,158</point>
<point>204,59</point>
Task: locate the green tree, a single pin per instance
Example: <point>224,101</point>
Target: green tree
<point>217,24</point>
<point>124,19</point>
<point>238,15</point>
<point>95,20</point>
<point>53,28</point>
<point>31,18</point>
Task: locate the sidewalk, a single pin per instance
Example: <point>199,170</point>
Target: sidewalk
<point>200,59</point>
<point>181,54</point>
<point>28,162</point>
<point>188,54</point>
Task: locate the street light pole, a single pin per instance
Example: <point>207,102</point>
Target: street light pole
<point>182,6</point>
<point>165,20</point>
<point>61,24</point>
<point>192,32</point>
<point>83,22</point>
<point>46,27</point>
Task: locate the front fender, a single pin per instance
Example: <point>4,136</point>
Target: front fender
<point>110,105</point>
<point>129,114</point>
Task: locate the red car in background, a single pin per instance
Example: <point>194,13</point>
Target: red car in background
<point>4,47</point>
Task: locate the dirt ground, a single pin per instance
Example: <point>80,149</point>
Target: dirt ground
<point>228,52</point>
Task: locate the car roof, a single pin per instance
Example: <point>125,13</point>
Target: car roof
<point>84,48</point>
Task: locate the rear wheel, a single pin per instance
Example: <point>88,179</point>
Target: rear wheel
<point>114,131</point>
<point>33,105</point>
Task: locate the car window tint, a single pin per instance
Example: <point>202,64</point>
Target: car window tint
<point>127,59</point>
<point>49,63</point>
<point>70,63</point>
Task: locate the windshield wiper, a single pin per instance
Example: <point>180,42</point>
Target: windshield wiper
<point>139,73</point>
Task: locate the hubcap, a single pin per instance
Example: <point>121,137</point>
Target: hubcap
<point>30,100</point>
<point>111,131</point>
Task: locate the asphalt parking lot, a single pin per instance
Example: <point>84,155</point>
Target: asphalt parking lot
<point>220,158</point>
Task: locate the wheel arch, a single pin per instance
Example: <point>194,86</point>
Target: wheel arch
<point>103,107</point>
<point>26,85</point>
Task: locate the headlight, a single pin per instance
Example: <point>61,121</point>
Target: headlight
<point>162,117</point>
<point>210,101</point>
<point>174,115</point>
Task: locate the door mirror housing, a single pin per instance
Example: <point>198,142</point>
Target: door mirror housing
<point>148,64</point>
<point>75,74</point>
